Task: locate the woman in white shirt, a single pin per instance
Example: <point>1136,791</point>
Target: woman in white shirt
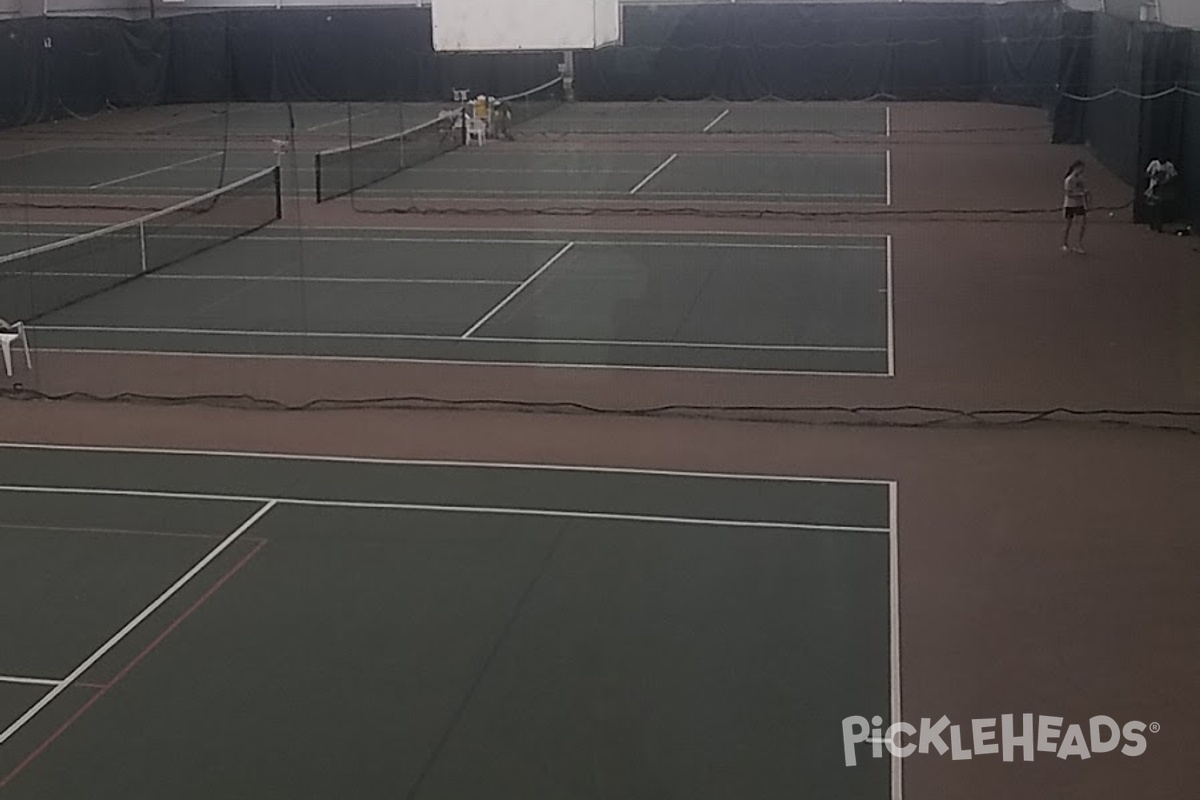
<point>1076,199</point>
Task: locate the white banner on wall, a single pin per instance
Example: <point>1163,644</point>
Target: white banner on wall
<point>504,25</point>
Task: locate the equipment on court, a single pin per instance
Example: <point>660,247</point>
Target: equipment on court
<point>343,170</point>
<point>44,279</point>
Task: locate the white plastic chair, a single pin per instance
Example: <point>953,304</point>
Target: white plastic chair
<point>476,129</point>
<point>11,332</point>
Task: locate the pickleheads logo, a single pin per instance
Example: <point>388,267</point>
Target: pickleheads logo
<point>1099,735</point>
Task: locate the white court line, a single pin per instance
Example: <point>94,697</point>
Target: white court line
<point>654,174</point>
<point>466,362</point>
<point>30,681</point>
<point>201,116</point>
<point>782,154</point>
<point>408,462</point>
<point>473,170</point>
<point>508,511</point>
<point>495,309</point>
<point>143,174</point>
<point>894,625</point>
<point>577,235</point>
<point>713,124</point>
<point>579,242</point>
<point>618,242</point>
<point>281,278</point>
<point>805,198</point>
<point>342,120</point>
<point>891,314</point>
<point>889,177</point>
<point>432,337</point>
<point>16,156</point>
<point>134,623</point>
<point>799,198</point>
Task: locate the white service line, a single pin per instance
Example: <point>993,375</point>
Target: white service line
<point>894,626</point>
<point>341,120</point>
<point>566,249</point>
<point>134,623</point>
<point>889,176</point>
<point>520,466</point>
<point>654,174</point>
<point>288,279</point>
<point>891,315</point>
<point>15,156</point>
<point>143,174</point>
<point>713,124</point>
<point>464,362</point>
<point>503,511</point>
<point>30,681</point>
<point>435,337</point>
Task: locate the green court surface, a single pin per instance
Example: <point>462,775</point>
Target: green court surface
<point>716,117</point>
<point>803,176</point>
<point>343,628</point>
<point>126,171</point>
<point>16,236</point>
<point>778,303</point>
<point>215,145</point>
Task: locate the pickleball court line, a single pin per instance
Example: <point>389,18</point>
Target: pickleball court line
<point>380,505</point>
<point>83,529</point>
<point>104,689</point>
<point>91,660</point>
<point>266,355</point>
<point>432,337</point>
<point>468,465</point>
<point>891,314</point>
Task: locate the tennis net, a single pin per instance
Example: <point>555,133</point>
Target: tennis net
<point>41,280</point>
<point>536,102</point>
<point>343,170</point>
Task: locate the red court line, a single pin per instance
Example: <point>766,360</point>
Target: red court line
<point>103,690</point>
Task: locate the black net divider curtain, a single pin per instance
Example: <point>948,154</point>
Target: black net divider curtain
<point>1131,91</point>
<point>62,67</point>
<point>910,51</point>
<point>1189,158</point>
<point>56,67</point>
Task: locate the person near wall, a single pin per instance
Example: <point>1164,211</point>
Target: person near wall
<point>1162,191</point>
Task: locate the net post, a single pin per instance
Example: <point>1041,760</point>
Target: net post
<point>567,70</point>
<point>317,169</point>
<point>279,192</point>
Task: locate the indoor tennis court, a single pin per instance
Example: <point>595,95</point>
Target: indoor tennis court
<point>628,418</point>
<point>815,303</point>
<point>538,593</point>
